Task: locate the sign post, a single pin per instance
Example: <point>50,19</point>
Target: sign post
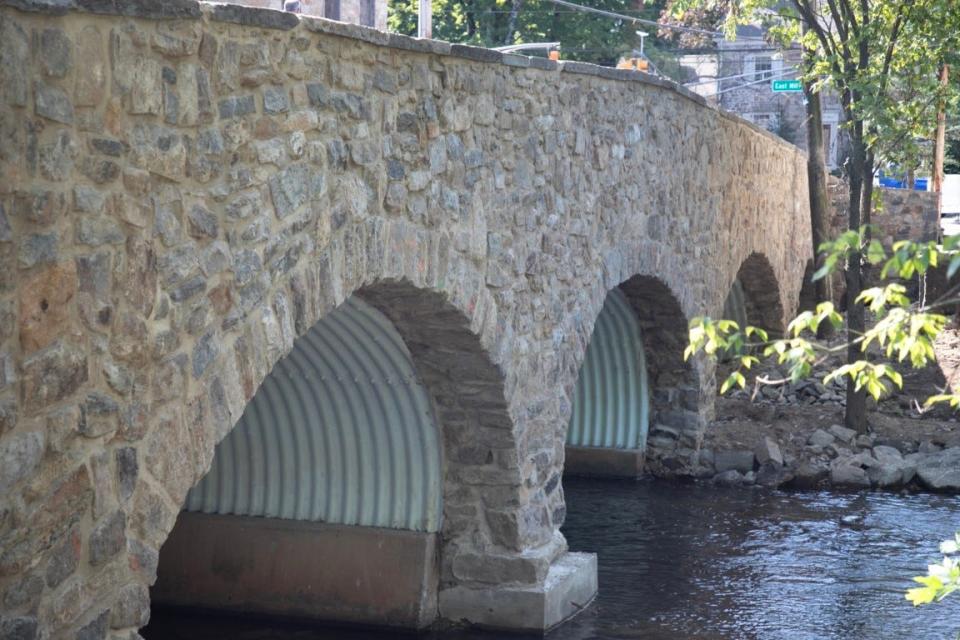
<point>786,86</point>
<point>425,20</point>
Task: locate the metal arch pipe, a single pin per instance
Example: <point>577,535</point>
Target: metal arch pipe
<point>611,404</point>
<point>341,431</point>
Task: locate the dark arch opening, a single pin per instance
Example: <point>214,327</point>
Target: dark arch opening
<point>808,291</point>
<point>761,294</point>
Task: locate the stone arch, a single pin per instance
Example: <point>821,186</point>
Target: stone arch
<point>674,383</point>
<point>462,388</point>
<point>633,369</point>
<point>762,302</point>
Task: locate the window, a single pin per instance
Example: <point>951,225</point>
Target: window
<point>368,13</point>
<point>331,9</point>
<point>762,68</point>
<point>769,121</point>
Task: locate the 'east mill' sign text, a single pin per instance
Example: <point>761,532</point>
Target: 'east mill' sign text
<point>789,86</point>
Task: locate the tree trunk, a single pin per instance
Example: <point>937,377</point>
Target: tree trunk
<point>819,203</point>
<point>512,22</point>
<point>856,414</point>
<point>940,143</point>
<point>866,194</point>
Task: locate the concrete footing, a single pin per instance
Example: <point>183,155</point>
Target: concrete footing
<point>570,585</point>
<point>600,462</point>
<point>362,575</point>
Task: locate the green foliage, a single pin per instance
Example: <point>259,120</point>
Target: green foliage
<point>942,579</point>
<point>494,23</point>
<point>903,331</point>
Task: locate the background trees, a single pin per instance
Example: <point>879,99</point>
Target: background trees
<point>494,23</point>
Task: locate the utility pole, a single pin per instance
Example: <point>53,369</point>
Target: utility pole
<point>425,20</point>
<point>940,141</point>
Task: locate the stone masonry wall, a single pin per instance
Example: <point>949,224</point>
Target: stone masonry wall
<point>185,188</point>
<point>904,214</point>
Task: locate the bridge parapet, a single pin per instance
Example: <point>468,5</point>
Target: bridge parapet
<point>187,188</point>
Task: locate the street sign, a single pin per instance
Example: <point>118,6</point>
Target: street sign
<point>786,86</point>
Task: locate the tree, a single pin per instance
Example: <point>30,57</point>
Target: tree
<point>494,23</point>
<point>881,57</point>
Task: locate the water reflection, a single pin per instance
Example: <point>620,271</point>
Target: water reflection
<point>702,563</point>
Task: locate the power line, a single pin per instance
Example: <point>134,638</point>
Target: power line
<point>620,16</point>
<point>739,75</point>
<point>772,76</point>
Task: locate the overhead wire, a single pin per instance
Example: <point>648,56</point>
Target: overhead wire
<point>774,76</point>
<point>739,75</point>
<point>621,16</point>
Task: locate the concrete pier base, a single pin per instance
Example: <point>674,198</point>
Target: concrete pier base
<point>362,575</point>
<point>570,585</point>
<point>605,463</point>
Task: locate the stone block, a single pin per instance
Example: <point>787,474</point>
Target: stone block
<point>55,52</point>
<point>236,107</point>
<point>90,82</point>
<point>38,248</point>
<point>46,305</point>
<point>848,475</point>
<point>53,374</point>
<point>64,559</point>
<point>96,629</point>
<point>568,587</point>
<point>254,16</point>
<point>842,434</point>
<point>18,628</point>
<point>19,456</point>
<point>52,103</point>
<point>767,450</point>
<point>108,538</point>
<point>14,58</point>
<point>738,460</point>
<point>132,608</point>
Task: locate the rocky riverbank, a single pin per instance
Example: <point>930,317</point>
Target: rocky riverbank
<point>819,456</point>
<point>792,436</point>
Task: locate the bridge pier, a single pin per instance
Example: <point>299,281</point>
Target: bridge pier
<point>569,585</point>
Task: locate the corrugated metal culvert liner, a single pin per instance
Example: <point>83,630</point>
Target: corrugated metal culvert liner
<point>341,431</point>
<point>611,404</point>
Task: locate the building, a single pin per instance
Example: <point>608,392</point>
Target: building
<point>369,13</point>
<point>738,76</point>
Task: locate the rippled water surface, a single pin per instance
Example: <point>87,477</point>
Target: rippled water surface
<point>680,561</point>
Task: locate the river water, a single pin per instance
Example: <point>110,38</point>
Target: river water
<point>685,561</point>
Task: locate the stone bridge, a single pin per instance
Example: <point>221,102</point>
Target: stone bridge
<point>382,259</point>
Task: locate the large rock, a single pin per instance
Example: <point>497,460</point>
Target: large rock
<point>737,460</point>
<point>846,474</point>
<point>767,450</point>
<point>842,434</point>
<point>809,475</point>
<point>729,478</point>
<point>940,471</point>
<point>820,438</point>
